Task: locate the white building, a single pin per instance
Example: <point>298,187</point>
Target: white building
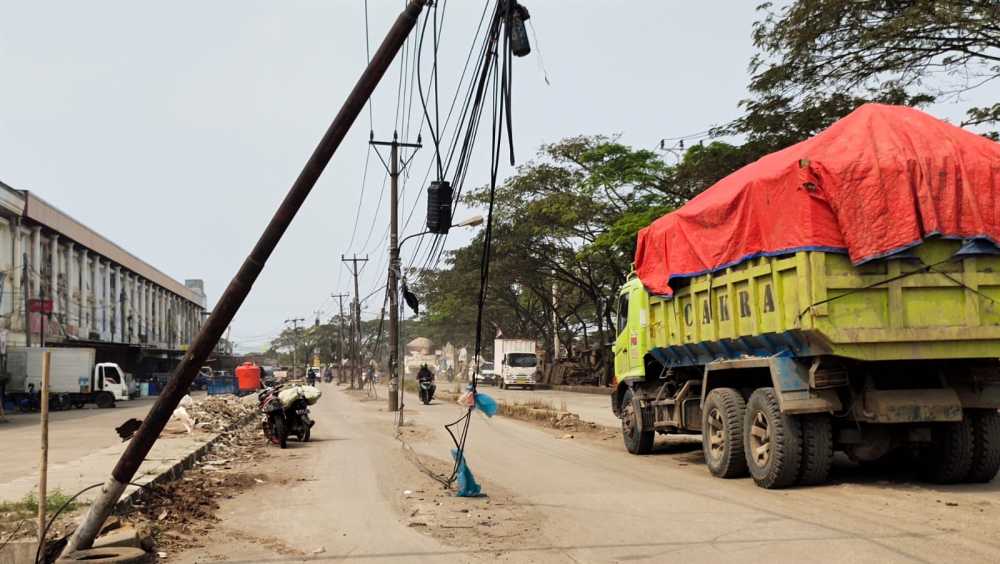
<point>101,294</point>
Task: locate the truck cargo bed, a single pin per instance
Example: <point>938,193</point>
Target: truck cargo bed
<point>930,304</point>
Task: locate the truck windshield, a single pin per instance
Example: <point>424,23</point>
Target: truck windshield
<point>111,376</point>
<point>522,360</point>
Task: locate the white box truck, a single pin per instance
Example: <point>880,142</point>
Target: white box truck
<point>515,363</point>
<point>75,379</point>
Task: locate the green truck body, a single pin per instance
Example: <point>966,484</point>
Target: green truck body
<point>897,354</point>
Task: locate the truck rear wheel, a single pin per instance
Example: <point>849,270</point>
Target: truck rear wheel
<point>104,400</point>
<point>772,441</point>
<point>722,433</point>
<point>817,448</point>
<point>636,441</point>
<point>949,459</point>
<point>985,445</point>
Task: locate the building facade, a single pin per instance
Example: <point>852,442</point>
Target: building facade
<point>101,295</point>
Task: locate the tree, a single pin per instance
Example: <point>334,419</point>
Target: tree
<point>818,59</point>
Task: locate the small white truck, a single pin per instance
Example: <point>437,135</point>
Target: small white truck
<point>75,379</point>
<point>515,363</point>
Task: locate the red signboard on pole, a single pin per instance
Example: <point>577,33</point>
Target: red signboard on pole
<point>40,306</point>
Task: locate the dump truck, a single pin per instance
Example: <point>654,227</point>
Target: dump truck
<point>758,318</point>
<point>75,379</point>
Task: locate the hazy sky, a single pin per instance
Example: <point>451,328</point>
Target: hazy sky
<point>175,128</point>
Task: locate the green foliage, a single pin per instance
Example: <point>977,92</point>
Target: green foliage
<point>819,59</point>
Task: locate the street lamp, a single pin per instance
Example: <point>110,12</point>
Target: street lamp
<point>395,389</point>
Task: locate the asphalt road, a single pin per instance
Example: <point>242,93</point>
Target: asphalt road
<point>72,434</point>
<point>575,500</point>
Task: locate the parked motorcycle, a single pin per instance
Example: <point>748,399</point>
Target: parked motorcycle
<point>283,418</point>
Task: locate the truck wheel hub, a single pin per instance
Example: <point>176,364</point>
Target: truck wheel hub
<point>716,434</point>
<point>760,439</point>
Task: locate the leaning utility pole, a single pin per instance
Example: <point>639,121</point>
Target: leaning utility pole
<point>340,337</point>
<point>355,321</point>
<point>295,342</point>
<point>394,265</point>
<point>238,289</point>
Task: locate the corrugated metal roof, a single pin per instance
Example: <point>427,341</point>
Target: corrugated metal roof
<point>50,216</point>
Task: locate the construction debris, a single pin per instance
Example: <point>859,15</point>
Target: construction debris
<point>178,513</point>
<point>221,413</point>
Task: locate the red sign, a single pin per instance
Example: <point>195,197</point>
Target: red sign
<point>40,306</point>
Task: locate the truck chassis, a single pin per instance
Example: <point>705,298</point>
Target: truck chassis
<point>780,418</point>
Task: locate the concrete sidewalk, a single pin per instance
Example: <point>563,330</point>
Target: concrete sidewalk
<point>169,455</point>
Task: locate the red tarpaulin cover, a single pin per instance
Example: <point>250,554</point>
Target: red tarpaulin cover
<point>875,182</point>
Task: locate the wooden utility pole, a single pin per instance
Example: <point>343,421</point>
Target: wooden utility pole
<point>340,337</point>
<point>239,287</point>
<point>43,467</point>
<point>355,322</point>
<point>394,265</point>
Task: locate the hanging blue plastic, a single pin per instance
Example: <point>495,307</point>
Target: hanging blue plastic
<point>486,404</point>
<point>467,486</point>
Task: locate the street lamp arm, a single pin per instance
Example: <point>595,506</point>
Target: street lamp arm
<point>408,237</point>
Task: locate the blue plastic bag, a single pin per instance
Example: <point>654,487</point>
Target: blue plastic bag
<point>486,404</point>
<point>467,486</point>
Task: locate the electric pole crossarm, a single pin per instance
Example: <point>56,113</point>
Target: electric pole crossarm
<point>237,290</point>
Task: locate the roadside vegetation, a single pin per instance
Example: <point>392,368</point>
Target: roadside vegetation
<point>566,221</point>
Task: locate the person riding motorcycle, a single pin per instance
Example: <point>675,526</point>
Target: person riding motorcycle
<point>425,383</point>
<point>424,374</point>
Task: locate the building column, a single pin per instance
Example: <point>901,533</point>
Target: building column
<point>72,279</point>
<point>130,307</point>
<point>35,262</point>
<point>159,317</point>
<point>17,308</point>
<point>154,315</point>
<point>106,299</point>
<point>116,299</point>
<point>54,278</point>
<point>85,284</point>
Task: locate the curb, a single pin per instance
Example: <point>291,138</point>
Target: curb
<point>177,469</point>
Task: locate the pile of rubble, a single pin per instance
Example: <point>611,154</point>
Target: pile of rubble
<point>221,413</point>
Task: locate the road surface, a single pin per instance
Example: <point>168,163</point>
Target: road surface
<point>72,434</point>
<point>344,498</point>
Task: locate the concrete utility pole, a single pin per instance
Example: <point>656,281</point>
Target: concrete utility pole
<point>355,321</point>
<point>340,337</point>
<point>239,287</point>
<point>394,265</point>
<point>295,347</point>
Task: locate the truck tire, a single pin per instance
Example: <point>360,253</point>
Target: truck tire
<point>772,441</point>
<point>949,459</point>
<point>985,445</point>
<point>636,442</point>
<point>104,400</point>
<point>817,448</point>
<point>722,433</point>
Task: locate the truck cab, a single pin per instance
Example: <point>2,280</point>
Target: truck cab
<point>109,377</point>
<point>518,369</point>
